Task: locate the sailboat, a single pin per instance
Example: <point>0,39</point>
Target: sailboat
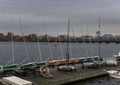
<point>100,61</point>
<point>30,64</point>
<point>73,60</point>
<point>13,66</point>
<point>52,62</point>
<point>21,66</point>
<point>95,59</point>
<point>67,67</point>
<point>62,61</point>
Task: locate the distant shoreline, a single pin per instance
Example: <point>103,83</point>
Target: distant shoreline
<point>117,42</point>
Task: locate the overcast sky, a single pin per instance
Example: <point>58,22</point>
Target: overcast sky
<point>51,16</point>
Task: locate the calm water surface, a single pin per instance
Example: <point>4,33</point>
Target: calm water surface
<point>76,50</point>
<point>51,51</point>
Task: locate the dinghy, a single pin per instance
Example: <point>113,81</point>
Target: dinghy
<point>114,73</point>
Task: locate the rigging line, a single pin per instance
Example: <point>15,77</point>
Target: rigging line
<point>71,51</point>
<point>84,43</point>
<point>60,46</point>
<point>9,62</point>
<point>40,56</point>
<point>99,22</point>
<point>71,46</point>
<point>12,48</point>
<point>23,61</point>
<point>24,42</point>
<point>68,39</point>
<point>74,38</point>
<point>49,46</point>
<point>73,33</point>
<point>39,47</point>
<point>47,59</point>
<point>13,53</point>
<point>56,41</point>
<point>93,50</point>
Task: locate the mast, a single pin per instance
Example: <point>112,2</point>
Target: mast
<point>39,47</point>
<point>49,47</point>
<point>26,49</point>
<point>12,48</point>
<point>13,53</point>
<point>99,34</point>
<point>68,38</point>
<point>67,67</point>
<point>40,57</point>
<point>60,46</point>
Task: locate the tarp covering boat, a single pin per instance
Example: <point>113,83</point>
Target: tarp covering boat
<point>29,65</point>
<point>13,80</point>
<point>11,67</point>
<point>89,59</point>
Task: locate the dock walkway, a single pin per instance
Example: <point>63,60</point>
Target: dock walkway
<point>70,77</point>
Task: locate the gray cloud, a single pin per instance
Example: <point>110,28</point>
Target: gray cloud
<point>38,16</point>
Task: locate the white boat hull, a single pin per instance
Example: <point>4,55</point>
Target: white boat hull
<point>114,73</point>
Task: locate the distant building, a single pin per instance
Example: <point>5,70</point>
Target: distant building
<point>18,38</point>
<point>1,34</point>
<point>86,37</point>
<point>107,36</point>
<point>117,37</point>
<point>10,34</point>
<point>1,37</point>
<point>32,37</point>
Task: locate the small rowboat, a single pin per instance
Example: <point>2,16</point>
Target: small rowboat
<point>114,73</point>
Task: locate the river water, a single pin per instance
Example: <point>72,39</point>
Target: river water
<point>57,51</point>
<point>105,80</point>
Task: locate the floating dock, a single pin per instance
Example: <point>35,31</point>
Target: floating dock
<point>61,78</point>
<point>89,69</point>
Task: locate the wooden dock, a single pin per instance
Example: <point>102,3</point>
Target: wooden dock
<point>60,78</point>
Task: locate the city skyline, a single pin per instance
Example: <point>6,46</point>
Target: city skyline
<point>50,16</point>
<point>33,34</point>
<point>62,38</point>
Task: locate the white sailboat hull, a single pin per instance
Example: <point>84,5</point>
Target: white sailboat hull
<point>114,73</point>
<point>115,76</point>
